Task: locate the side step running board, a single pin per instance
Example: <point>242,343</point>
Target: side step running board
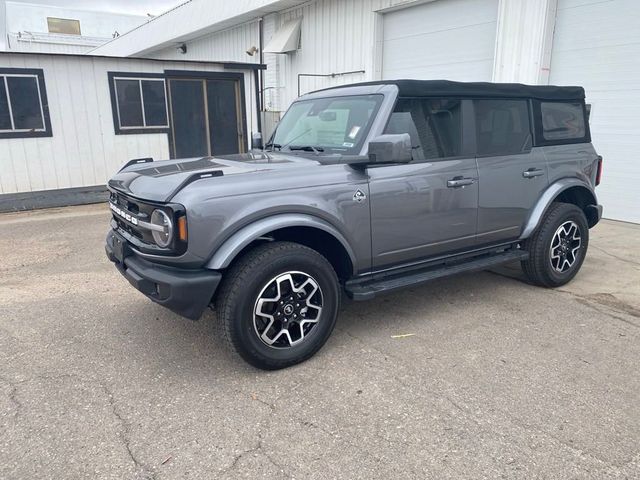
<point>367,289</point>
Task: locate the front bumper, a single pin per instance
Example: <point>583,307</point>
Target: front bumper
<point>185,292</point>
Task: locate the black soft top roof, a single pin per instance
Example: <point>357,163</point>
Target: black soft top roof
<point>429,88</point>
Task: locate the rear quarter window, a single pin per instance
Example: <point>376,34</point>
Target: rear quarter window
<point>563,121</point>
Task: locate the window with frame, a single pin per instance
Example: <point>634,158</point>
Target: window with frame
<point>23,104</point>
<point>562,121</point>
<point>67,26</point>
<point>433,124</point>
<point>502,126</point>
<point>139,104</point>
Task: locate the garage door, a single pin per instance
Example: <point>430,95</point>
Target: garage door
<point>445,39</point>
<point>597,45</point>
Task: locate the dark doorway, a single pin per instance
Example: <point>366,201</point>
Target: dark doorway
<point>206,116</point>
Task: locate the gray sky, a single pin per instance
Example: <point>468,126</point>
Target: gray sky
<point>136,7</point>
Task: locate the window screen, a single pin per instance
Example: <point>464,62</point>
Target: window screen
<point>22,104</point>
<point>562,121</point>
<point>141,103</point>
<point>155,108</point>
<point>5,116</point>
<point>502,127</point>
<point>25,103</point>
<point>434,125</point>
<point>129,103</point>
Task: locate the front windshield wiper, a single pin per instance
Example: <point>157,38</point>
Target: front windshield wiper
<point>270,146</point>
<point>307,148</point>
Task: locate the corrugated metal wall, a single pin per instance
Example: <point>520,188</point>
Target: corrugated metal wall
<point>337,36</point>
<point>226,45</point>
<point>84,149</point>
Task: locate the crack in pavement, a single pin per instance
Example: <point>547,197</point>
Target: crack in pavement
<point>258,447</point>
<point>468,414</point>
<point>606,300</point>
<point>124,431</point>
<point>591,300</point>
<point>624,260</point>
<point>13,394</point>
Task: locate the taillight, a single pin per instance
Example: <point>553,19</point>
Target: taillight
<point>599,172</point>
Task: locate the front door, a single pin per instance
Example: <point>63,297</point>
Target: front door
<point>206,117</point>
<point>512,174</point>
<point>428,207</point>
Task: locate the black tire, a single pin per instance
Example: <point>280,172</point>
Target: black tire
<point>541,269</point>
<point>254,274</point>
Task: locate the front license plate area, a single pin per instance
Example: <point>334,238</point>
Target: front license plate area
<point>119,248</point>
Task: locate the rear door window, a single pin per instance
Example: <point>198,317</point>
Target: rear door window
<point>502,127</point>
<point>434,125</point>
<point>562,121</point>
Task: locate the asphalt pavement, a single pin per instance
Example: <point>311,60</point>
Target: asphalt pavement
<point>475,376</point>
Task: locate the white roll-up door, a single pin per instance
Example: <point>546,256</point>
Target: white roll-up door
<point>444,39</point>
<point>597,45</point>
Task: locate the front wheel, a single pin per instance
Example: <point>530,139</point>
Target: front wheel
<point>279,304</point>
<point>558,247</point>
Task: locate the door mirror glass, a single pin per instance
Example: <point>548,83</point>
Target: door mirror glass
<point>390,148</point>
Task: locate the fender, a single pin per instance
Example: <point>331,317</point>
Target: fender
<point>225,254</point>
<point>548,196</point>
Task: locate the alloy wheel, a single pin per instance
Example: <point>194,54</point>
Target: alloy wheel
<point>287,309</point>
<point>565,246</point>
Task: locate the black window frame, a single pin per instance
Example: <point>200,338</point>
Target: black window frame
<point>38,74</point>
<point>532,126</point>
<point>540,141</point>
<point>115,111</point>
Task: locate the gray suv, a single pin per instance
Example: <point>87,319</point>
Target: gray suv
<point>362,189</point>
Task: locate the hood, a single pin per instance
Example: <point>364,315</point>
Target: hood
<point>161,181</point>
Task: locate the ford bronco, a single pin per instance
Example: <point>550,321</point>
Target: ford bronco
<point>362,189</point>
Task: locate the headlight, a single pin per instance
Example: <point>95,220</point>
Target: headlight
<point>162,237</point>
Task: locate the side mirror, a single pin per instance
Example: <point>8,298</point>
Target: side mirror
<point>256,141</point>
<point>390,148</point>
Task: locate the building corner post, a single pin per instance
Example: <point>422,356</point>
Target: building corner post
<point>524,38</point>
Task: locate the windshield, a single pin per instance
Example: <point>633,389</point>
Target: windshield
<point>329,125</point>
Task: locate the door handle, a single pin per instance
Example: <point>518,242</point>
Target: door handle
<point>532,172</point>
<point>457,182</point>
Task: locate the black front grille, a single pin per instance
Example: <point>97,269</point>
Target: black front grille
<point>141,238</point>
<point>137,209</point>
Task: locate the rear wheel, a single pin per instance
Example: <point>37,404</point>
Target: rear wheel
<point>279,304</point>
<point>558,247</point>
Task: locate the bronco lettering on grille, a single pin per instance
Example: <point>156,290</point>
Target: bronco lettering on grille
<point>122,213</point>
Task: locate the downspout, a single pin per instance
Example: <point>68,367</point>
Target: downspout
<point>261,46</point>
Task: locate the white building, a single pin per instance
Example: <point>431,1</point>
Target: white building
<point>69,122</point>
<point>48,28</point>
<point>591,43</point>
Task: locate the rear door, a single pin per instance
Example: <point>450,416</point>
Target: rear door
<point>512,174</point>
<point>428,207</point>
